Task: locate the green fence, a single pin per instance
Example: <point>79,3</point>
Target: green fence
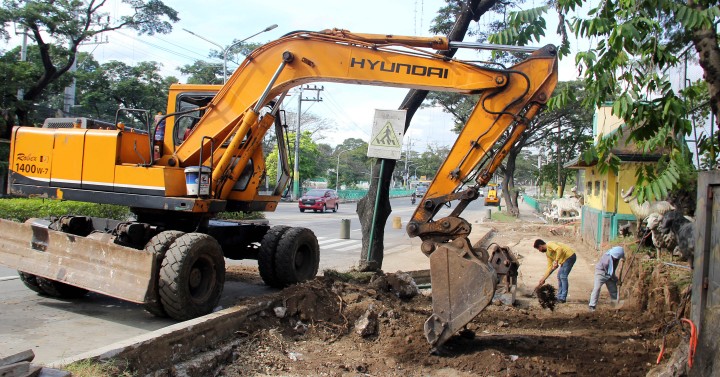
<point>538,204</point>
<point>359,194</point>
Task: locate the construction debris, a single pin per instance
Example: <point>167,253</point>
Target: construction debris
<point>18,365</point>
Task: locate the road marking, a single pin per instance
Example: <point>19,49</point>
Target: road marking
<point>398,249</point>
<point>356,247</point>
<point>338,243</point>
<point>6,278</point>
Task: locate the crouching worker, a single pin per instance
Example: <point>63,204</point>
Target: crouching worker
<point>605,274</point>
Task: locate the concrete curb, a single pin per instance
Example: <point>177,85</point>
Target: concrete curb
<point>164,348</point>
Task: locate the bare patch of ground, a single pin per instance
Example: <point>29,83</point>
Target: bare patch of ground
<point>316,329</point>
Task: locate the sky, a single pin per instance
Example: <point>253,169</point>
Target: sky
<point>349,107</point>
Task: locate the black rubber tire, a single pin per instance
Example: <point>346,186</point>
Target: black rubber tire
<point>335,209</point>
<point>298,256</point>
<point>192,276</point>
<point>31,282</point>
<point>60,290</point>
<point>302,209</point>
<point>266,255</point>
<point>159,245</point>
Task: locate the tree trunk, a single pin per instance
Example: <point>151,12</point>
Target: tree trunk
<point>706,44</point>
<point>472,10</point>
<point>366,212</point>
<point>509,191</point>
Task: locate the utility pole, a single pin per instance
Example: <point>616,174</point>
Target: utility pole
<point>69,97</point>
<point>407,153</point>
<point>23,58</point>
<point>296,169</point>
<point>559,169</point>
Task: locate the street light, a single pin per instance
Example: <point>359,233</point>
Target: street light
<point>337,171</point>
<point>226,50</point>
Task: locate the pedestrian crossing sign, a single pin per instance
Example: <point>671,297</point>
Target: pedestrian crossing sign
<point>387,134</point>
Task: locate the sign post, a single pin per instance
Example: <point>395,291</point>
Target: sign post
<point>385,143</point>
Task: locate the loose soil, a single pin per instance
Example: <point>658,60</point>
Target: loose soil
<point>317,334</point>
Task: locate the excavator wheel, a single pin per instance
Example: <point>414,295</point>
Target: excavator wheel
<point>60,290</point>
<point>192,276</point>
<point>298,256</point>
<point>31,282</point>
<point>158,246</point>
<point>266,255</point>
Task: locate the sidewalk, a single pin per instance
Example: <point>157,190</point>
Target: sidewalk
<point>412,258</point>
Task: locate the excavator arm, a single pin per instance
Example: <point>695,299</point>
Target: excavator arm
<point>463,282</point>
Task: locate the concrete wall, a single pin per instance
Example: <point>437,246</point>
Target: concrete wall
<point>605,123</point>
<point>609,188</point>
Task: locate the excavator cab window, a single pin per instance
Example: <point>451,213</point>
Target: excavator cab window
<point>185,123</point>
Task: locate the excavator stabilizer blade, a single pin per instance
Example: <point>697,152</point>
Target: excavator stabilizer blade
<point>463,284</point>
<point>102,267</point>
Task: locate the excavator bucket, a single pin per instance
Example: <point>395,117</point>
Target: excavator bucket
<point>463,284</point>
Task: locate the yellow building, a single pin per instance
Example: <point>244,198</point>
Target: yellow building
<point>604,210</point>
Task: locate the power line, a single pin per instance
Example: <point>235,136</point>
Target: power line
<point>158,47</point>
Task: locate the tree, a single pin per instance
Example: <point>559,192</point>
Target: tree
<point>353,161</point>
<point>310,156</point>
<point>637,43</point>
<point>50,24</point>
<point>370,219</point>
<point>202,72</point>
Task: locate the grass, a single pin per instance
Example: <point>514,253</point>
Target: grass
<point>350,276</point>
<point>502,217</point>
<point>21,209</point>
<point>91,368</point>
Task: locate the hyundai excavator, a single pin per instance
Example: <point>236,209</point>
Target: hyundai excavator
<point>170,256</point>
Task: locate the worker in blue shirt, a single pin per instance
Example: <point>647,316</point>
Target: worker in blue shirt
<point>605,274</point>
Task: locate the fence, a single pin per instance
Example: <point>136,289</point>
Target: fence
<point>538,204</point>
<point>359,194</point>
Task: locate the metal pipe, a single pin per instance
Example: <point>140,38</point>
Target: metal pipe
<point>269,87</point>
<point>368,257</point>
<point>493,47</point>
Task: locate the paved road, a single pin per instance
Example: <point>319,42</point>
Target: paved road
<point>56,329</point>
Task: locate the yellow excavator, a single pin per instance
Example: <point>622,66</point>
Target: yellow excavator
<point>170,256</point>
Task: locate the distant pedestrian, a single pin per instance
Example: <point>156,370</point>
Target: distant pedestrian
<point>560,256</point>
<point>159,128</point>
<point>605,274</point>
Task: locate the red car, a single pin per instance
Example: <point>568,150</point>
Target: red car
<point>319,200</point>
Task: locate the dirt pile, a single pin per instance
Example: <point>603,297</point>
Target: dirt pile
<point>338,325</point>
<point>312,331</point>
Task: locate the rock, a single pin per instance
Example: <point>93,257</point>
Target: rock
<point>402,284</point>
<point>280,311</point>
<point>300,327</point>
<point>502,324</point>
<point>367,324</point>
<point>295,356</point>
<point>379,283</point>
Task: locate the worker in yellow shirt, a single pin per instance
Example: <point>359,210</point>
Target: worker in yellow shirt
<point>558,255</point>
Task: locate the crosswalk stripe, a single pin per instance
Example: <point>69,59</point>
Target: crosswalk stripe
<point>338,243</point>
<point>355,247</point>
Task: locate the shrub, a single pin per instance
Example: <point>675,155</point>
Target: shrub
<point>21,209</point>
